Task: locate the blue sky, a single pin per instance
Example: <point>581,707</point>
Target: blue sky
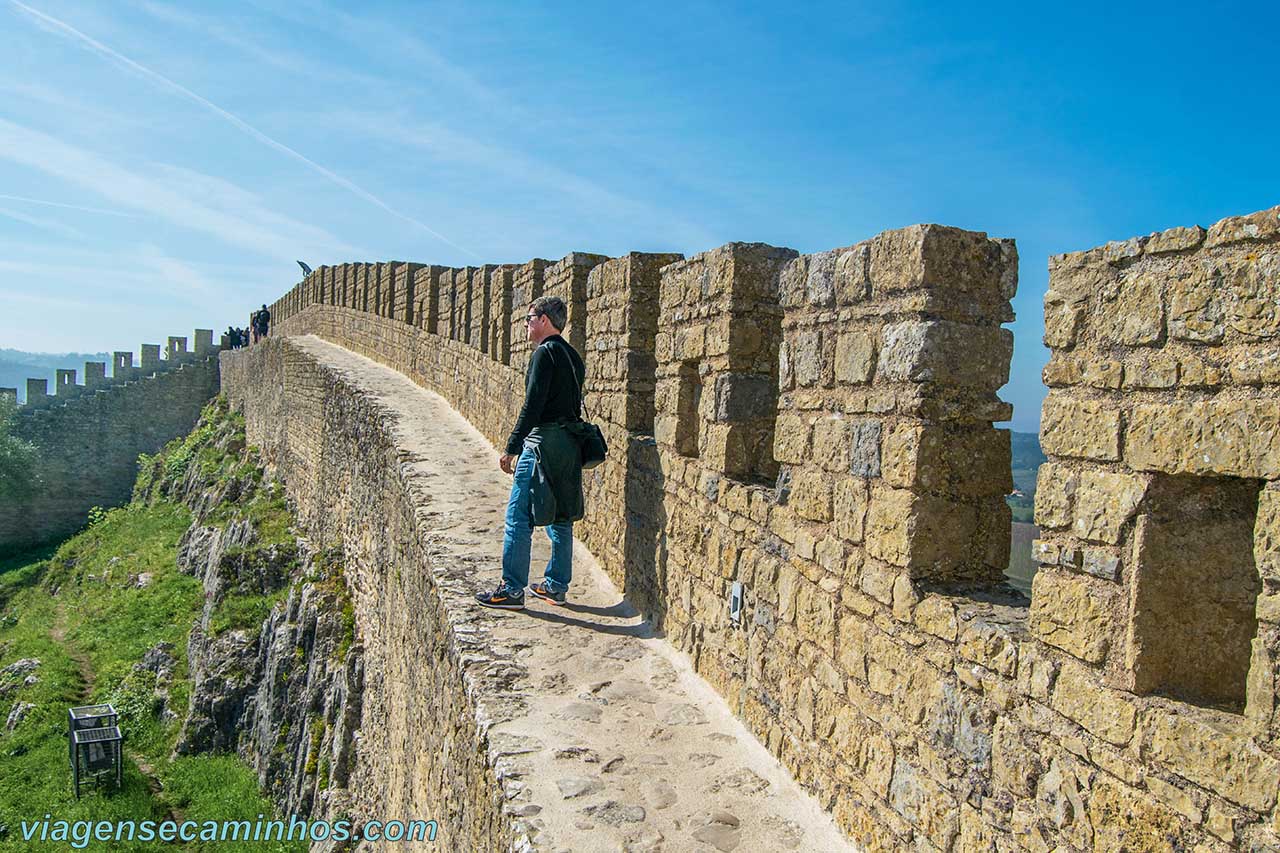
<point>162,165</point>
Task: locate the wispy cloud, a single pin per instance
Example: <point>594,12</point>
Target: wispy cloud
<point>248,224</point>
<point>521,170</point>
<point>66,206</point>
<point>66,30</point>
<point>394,39</point>
<point>71,108</point>
<point>41,222</point>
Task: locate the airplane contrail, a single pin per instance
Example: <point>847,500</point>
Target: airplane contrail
<point>165,82</point>
<point>67,206</point>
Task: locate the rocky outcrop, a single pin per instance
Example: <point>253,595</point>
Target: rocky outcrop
<point>276,675</point>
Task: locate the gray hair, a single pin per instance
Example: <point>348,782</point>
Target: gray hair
<point>553,308</point>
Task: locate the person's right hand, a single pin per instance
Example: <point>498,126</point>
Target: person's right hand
<point>505,463</point>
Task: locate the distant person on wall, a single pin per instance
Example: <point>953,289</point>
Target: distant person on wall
<point>262,323</point>
<point>545,460</point>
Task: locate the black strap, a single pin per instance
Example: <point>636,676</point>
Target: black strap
<point>574,374</point>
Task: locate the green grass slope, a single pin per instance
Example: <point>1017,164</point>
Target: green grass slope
<point>89,611</point>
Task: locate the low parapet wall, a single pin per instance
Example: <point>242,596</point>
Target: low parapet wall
<point>88,437</point>
<point>818,429</point>
<point>428,687</point>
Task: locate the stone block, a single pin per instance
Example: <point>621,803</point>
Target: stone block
<point>855,355</point>
<point>864,451</point>
<point>1101,563</point>
<point>989,644</point>
<point>1078,277</point>
<point>811,495</point>
<point>1105,713</point>
<point>1215,752</point>
<point>927,534</point>
<point>924,804</point>
<point>820,281</point>
<point>1194,373</point>
<point>1072,613</point>
<point>1195,310</point>
<point>853,275</point>
<point>1037,670</point>
<point>1263,225</point>
<point>1061,371</point>
<point>1266,534</point>
<point>1251,296</point>
<point>1261,368</point>
<point>1081,428</point>
<point>743,397</point>
<point>1155,372</point>
<point>1175,240</point>
<point>1104,503</point>
<point>1015,761</point>
<point>877,580</point>
<point>1051,553</point>
<point>1135,315</point>
<point>936,614</point>
<point>850,502</point>
<point>959,460</point>
<point>1061,321</point>
<point>1127,819</point>
<point>1117,252</point>
<point>866,747</point>
<point>806,357</point>
<point>689,342</point>
<point>832,439</point>
<point>1238,438</point>
<point>792,279</point>
<point>1056,486</point>
<point>945,352</point>
<point>1105,373</point>
<point>791,439</point>
<point>1260,686</point>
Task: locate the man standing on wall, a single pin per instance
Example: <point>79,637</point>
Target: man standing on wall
<point>542,454</point>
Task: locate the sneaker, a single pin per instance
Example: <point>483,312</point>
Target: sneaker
<point>545,594</point>
<point>501,598</point>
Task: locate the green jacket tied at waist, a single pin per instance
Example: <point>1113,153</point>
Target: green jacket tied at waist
<point>556,488</point>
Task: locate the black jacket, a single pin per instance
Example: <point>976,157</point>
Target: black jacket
<point>551,394</point>
<point>549,424</point>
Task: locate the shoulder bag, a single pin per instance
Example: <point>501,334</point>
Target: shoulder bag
<point>591,444</point>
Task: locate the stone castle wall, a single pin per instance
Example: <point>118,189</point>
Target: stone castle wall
<point>424,676</point>
<point>88,436</point>
<point>818,429</point>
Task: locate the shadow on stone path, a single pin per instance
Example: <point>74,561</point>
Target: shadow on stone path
<point>603,737</point>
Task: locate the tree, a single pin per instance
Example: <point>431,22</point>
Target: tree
<point>19,474</point>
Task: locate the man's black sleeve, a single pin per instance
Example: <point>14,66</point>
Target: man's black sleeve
<point>536,387</point>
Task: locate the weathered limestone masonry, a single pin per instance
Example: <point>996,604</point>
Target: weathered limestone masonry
<point>88,436</point>
<point>819,430</point>
<point>350,484</point>
<point>1160,517</point>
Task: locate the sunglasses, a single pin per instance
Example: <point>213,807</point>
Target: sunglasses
<point>529,318</point>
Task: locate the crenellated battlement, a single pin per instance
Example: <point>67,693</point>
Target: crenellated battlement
<point>88,436</point>
<point>815,433</point>
<point>66,389</point>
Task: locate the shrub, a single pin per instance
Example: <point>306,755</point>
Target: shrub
<point>19,473</point>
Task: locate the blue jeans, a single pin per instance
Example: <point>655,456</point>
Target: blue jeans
<point>518,538</point>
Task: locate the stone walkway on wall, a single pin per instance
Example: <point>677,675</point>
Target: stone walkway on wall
<point>603,737</point>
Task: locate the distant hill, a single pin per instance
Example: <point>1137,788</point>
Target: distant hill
<point>16,367</point>
<point>1027,456</point>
